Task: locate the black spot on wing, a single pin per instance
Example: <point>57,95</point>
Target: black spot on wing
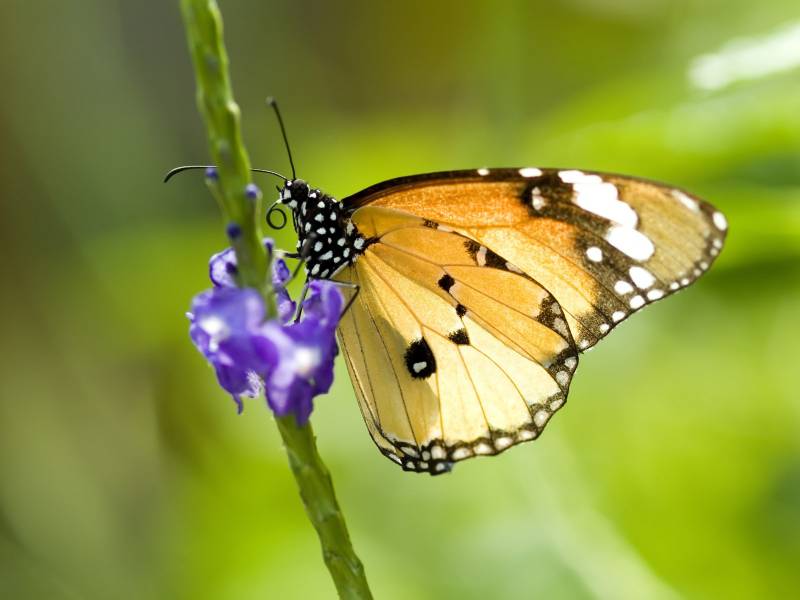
<point>446,282</point>
<point>472,247</point>
<point>459,337</point>
<point>461,310</point>
<point>495,261</point>
<point>549,187</point>
<point>429,223</point>
<point>552,316</point>
<point>485,257</point>
<point>419,358</point>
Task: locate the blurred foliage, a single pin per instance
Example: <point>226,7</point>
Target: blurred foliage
<point>124,471</point>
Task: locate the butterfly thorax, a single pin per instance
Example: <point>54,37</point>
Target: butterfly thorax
<point>326,237</point>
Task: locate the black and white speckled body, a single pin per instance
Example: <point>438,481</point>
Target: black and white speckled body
<point>326,237</point>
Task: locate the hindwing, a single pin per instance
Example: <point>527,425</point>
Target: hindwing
<point>453,350</point>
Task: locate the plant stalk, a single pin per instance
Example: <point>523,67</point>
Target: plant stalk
<point>221,114</point>
<point>316,489</point>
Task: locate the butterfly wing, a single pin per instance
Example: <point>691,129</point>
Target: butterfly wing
<point>603,245</point>
<point>453,350</point>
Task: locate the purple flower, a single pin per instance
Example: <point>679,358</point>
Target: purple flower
<point>222,270</point>
<point>291,363</point>
<point>222,324</point>
<point>306,352</point>
<point>280,277</point>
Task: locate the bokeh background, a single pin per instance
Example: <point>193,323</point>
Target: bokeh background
<point>674,472</point>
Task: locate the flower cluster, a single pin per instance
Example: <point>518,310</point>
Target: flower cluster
<point>290,360</point>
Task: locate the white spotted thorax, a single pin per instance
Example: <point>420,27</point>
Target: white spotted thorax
<point>326,238</point>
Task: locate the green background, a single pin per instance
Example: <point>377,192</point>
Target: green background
<point>674,471</point>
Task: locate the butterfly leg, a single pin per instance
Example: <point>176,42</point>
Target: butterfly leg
<point>302,255</point>
<point>344,284</point>
<point>352,286</point>
<point>300,301</point>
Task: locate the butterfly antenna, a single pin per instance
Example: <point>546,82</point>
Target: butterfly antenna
<point>183,168</point>
<point>274,104</point>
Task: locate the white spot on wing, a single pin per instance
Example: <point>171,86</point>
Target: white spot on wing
<point>483,172</point>
<point>562,377</point>
<point>599,197</point>
<point>617,316</point>
<point>572,176</point>
<point>594,254</point>
<point>483,448</point>
<point>503,442</point>
<point>720,221</point>
<point>460,453</point>
<point>686,200</point>
<point>623,287</point>
<point>642,277</point>
<point>561,327</point>
<point>537,200</point>
<point>540,418</point>
<point>637,302</point>
<point>633,243</point>
<point>530,172</point>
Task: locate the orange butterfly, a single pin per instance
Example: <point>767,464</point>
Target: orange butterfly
<point>478,289</point>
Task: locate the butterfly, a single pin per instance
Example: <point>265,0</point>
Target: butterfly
<point>474,292</point>
<point>478,290</point>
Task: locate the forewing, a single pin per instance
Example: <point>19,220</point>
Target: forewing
<point>603,245</point>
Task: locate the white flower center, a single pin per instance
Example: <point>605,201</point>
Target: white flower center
<point>306,360</point>
<point>216,329</point>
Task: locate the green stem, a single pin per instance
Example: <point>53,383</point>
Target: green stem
<point>223,123</point>
<point>316,489</point>
<point>222,118</point>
